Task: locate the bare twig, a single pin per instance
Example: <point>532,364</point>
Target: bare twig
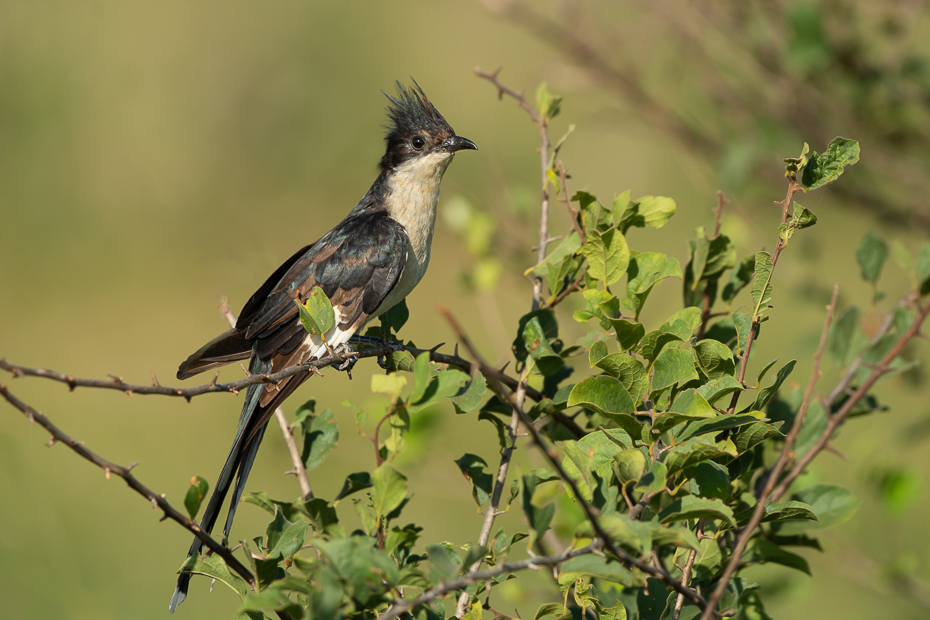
<point>686,572</point>
<point>840,416</point>
<point>542,122</point>
<point>402,606</point>
<point>299,470</point>
<point>759,511</point>
<point>110,468</point>
<point>552,457</point>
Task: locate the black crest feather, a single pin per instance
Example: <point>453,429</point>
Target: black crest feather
<point>410,112</point>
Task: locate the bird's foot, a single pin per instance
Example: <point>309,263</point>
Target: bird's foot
<point>350,358</point>
<point>394,346</point>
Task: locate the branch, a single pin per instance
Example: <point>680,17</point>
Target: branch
<point>759,511</point>
<point>552,457</point>
<point>837,418</point>
<point>542,122</point>
<point>371,350</point>
<point>158,501</point>
<point>299,470</point>
<point>402,606</point>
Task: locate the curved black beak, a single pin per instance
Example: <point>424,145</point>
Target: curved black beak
<point>458,143</point>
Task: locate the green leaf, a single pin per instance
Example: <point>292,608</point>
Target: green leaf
<point>711,257</point>
<point>608,397</point>
<point>447,383</point>
<point>645,270</point>
<point>214,567</point>
<point>871,255</point>
<point>683,323</point>
<point>653,480</point>
<point>284,538</point>
<point>392,385</point>
<point>761,285</point>
<point>597,352</point>
<point>353,483</point>
<point>923,269</point>
<point>538,518</point>
<point>710,480</point>
<point>673,367</point>
<point>593,566</point>
<point>537,346</point>
<point>845,339</point>
<point>777,512</point>
<point>628,333</point>
<point>195,494</point>
<point>715,359</point>
<point>766,394</point>
<point>320,435</point>
<point>832,504</point>
<point>593,215</point>
<point>764,551</point>
<point>395,318</point>
<point>469,397</point>
<point>547,105</point>
<point>723,422</point>
<point>316,313</point>
<point>651,211</point>
<point>719,388</point>
<point>739,279</point>
<point>629,465</point>
<point>422,373</point>
<point>822,169</point>
<point>690,507</point>
<point>742,322</point>
<point>608,255</point>
<point>482,483</point>
<point>796,164</point>
<point>629,371</point>
<point>694,451</point>
<point>753,434</point>
<point>389,489</point>
<point>270,599</point>
<point>688,406</point>
<point>552,609</point>
<point>651,345</point>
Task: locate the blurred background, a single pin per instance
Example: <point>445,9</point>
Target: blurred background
<point>157,158</point>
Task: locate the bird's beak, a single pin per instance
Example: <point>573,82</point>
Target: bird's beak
<point>458,143</point>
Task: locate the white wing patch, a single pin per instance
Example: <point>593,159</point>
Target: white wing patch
<point>334,337</point>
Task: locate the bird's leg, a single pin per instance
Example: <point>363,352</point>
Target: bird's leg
<point>350,358</point>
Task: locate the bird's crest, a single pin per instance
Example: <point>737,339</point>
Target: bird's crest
<point>412,111</point>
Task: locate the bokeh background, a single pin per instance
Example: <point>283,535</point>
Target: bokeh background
<point>158,157</point>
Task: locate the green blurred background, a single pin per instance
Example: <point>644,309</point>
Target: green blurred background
<point>157,157</point>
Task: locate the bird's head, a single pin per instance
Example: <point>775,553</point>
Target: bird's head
<point>417,131</point>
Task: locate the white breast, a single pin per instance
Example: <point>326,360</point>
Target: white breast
<point>413,192</point>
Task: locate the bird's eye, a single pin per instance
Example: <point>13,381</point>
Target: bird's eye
<point>418,142</point>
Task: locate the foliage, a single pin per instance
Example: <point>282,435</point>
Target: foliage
<point>669,448</point>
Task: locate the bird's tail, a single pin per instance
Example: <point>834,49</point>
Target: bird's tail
<point>241,456</point>
<point>228,347</point>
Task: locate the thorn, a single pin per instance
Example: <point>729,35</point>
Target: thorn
<point>71,384</point>
<point>164,517</point>
<point>215,377</point>
<point>132,466</point>
<point>245,370</point>
<point>115,378</point>
<point>155,380</point>
<point>436,348</point>
<point>52,441</point>
<point>315,371</point>
<point>456,352</point>
<point>833,450</point>
<point>234,393</point>
<point>188,398</point>
<point>504,367</point>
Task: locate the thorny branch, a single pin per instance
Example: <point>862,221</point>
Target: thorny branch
<point>763,499</point>
<point>158,501</point>
<point>552,457</point>
<point>378,350</point>
<point>542,121</point>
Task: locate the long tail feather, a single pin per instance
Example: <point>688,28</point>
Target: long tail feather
<point>228,347</point>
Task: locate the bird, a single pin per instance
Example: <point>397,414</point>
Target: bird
<point>365,265</point>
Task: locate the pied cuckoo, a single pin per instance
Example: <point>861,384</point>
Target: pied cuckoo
<point>369,262</point>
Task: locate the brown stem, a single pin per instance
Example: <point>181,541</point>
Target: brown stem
<point>158,500</point>
<point>686,571</point>
<point>759,511</point>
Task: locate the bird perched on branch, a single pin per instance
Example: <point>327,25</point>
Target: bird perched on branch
<point>369,262</point>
